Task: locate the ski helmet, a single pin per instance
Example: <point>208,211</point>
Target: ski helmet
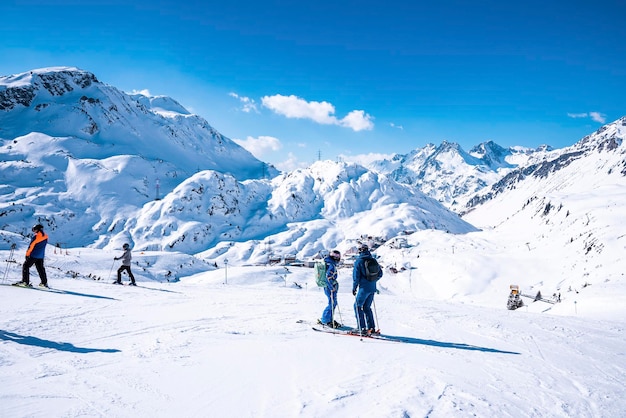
<point>126,246</point>
<point>363,247</point>
<point>37,228</point>
<point>335,255</point>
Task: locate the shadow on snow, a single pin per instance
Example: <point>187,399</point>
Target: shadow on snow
<point>60,292</point>
<point>458,346</point>
<point>85,295</point>
<point>38,342</point>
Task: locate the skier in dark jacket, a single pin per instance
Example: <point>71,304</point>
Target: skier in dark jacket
<point>126,257</point>
<point>366,291</point>
<point>34,255</point>
<point>331,289</point>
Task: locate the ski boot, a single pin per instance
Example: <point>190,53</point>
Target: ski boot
<point>22,284</point>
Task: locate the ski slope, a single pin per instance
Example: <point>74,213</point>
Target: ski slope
<point>227,343</point>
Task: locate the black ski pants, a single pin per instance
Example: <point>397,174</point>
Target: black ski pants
<point>38,262</point>
<point>130,274</point>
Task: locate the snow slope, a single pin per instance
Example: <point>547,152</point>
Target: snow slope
<point>562,219</point>
<point>227,343</point>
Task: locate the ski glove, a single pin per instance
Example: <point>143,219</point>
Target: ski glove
<point>354,292</point>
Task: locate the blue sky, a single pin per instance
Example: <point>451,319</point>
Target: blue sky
<point>296,80</point>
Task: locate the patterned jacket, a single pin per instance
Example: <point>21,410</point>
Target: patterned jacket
<point>331,274</point>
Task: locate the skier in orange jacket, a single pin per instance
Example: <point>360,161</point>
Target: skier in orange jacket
<point>34,255</point>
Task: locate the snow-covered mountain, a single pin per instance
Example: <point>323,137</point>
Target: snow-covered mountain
<point>550,221</point>
<point>449,174</point>
<point>98,188</point>
<point>596,156</point>
<point>82,157</point>
<point>324,206</point>
<point>562,217</point>
<point>99,167</point>
<point>64,102</point>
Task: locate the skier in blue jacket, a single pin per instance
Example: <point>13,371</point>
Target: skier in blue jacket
<point>366,291</point>
<point>331,289</point>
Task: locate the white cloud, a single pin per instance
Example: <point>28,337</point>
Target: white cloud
<point>393,125</point>
<point>320,112</point>
<point>595,116</point>
<point>358,120</point>
<point>295,107</point>
<point>247,104</point>
<point>598,117</point>
<point>261,145</point>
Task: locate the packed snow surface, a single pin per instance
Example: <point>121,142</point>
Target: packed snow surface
<point>237,342</point>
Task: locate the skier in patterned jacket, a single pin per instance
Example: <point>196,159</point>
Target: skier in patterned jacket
<point>331,289</point>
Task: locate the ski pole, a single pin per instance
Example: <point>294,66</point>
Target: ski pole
<point>332,311</point>
<point>340,318</point>
<point>376,313</point>
<point>6,271</point>
<point>9,261</point>
<point>111,271</point>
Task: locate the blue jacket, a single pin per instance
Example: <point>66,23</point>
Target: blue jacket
<point>359,275</point>
<point>37,247</point>
<point>331,274</point>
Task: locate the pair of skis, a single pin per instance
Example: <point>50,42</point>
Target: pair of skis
<point>48,289</point>
<point>354,333</point>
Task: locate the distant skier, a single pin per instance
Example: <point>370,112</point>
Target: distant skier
<point>126,257</point>
<point>331,289</point>
<point>364,276</point>
<point>35,255</point>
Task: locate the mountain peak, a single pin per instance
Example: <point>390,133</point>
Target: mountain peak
<point>43,76</point>
<point>29,77</point>
<point>448,146</point>
<point>492,154</point>
<point>21,89</point>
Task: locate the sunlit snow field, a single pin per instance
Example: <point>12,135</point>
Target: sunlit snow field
<point>237,342</point>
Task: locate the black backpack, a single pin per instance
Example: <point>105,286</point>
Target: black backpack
<point>371,269</point>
